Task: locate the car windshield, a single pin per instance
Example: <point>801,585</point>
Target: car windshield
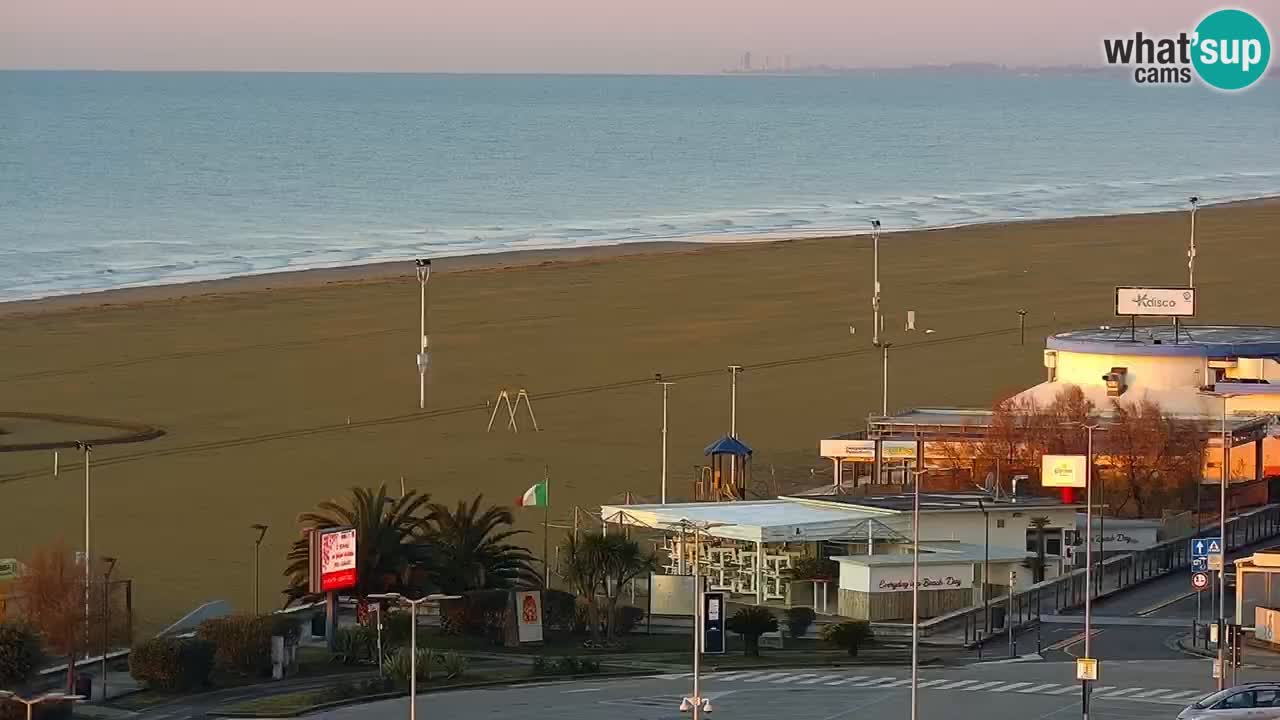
<point>1211,699</point>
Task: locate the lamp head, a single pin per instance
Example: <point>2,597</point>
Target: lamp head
<point>422,262</point>
<point>1194,199</point>
<point>685,706</point>
<point>706,706</point>
<point>875,223</point>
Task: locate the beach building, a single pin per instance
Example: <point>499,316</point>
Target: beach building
<point>755,550</point>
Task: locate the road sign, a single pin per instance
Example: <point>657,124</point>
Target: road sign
<point>1206,546</point>
<point>1200,564</point>
<point>1215,562</point>
<point>1087,669</point>
<point>713,635</point>
<point>1217,668</point>
<point>1199,581</point>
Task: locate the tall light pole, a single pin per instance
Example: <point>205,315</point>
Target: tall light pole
<point>666,385</point>
<point>106,619</point>
<point>87,449</point>
<point>423,268</point>
<point>1088,566</point>
<point>257,546</point>
<point>413,638</point>
<point>47,697</point>
<point>1191,250</point>
<point>986,561</point>
<point>696,702</point>
<point>875,287</point>
<point>733,399</point>
<point>1223,480</point>
<point>915,589</point>
<point>884,378</point>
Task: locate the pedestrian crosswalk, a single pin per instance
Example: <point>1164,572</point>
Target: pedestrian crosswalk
<point>815,680</point>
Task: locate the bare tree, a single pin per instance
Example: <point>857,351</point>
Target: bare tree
<point>1155,458</point>
<point>53,591</point>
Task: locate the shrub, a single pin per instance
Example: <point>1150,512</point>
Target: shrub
<point>172,664</point>
<point>568,665</point>
<point>396,666</point>
<point>243,642</point>
<point>848,635</point>
<point>751,622</point>
<point>588,665</point>
<point>799,619</point>
<point>627,617</point>
<point>357,644</point>
<point>20,655</point>
<point>480,613</point>
<point>377,686</point>
<point>396,626</point>
<point>559,611</point>
<point>541,666</point>
<point>342,690</point>
<point>454,665</point>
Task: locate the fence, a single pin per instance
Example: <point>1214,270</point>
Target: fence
<point>1067,592</point>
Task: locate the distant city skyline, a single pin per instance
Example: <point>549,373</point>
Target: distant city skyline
<point>573,36</point>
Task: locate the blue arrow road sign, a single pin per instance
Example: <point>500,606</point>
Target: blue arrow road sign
<point>1206,546</point>
<point>1199,564</point>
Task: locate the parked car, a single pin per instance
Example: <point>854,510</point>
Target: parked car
<point>1256,701</point>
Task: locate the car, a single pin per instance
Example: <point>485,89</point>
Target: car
<point>1255,701</point>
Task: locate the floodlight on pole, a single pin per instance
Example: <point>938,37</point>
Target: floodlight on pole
<point>1191,250</point>
<point>413,637</point>
<point>695,702</point>
<point>1088,563</point>
<point>423,268</point>
<point>915,589</point>
<point>875,287</point>
<point>87,449</point>
<point>1223,480</point>
<point>257,546</point>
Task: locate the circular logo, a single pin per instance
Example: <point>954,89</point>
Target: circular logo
<point>1232,49</point>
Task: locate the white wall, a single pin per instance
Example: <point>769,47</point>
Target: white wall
<point>969,527</point>
<point>1080,368</point>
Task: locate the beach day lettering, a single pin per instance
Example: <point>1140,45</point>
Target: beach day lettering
<point>925,583</point>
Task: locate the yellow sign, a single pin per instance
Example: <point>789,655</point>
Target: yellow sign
<point>9,569</point>
<point>898,449</point>
<point>1087,669</point>
<point>1063,471</point>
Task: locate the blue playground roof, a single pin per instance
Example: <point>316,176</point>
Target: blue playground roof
<point>728,445</point>
<point>1158,340</point>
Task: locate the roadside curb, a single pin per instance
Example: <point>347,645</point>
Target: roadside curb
<point>1185,646</point>
<point>533,679</point>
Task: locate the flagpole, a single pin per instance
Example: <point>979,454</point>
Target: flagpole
<point>546,517</point>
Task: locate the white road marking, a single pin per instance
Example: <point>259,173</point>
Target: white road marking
<point>1121,693</point>
<point>1149,693</point>
<point>580,690</point>
<point>1188,694</point>
<point>876,682</point>
<point>848,680</point>
<point>1010,686</point>
<point>768,676</point>
<point>930,683</point>
<point>1065,690</point>
<point>790,679</point>
<point>984,686</point>
<point>818,678</point>
<point>957,685</point>
<point>1038,688</point>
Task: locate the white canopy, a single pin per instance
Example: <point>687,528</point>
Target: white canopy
<point>769,521</point>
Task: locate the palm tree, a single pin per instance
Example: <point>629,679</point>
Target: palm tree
<point>623,561</point>
<point>584,570</point>
<point>390,539</point>
<point>471,549</point>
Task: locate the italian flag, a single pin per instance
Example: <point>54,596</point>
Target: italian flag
<point>535,496</point>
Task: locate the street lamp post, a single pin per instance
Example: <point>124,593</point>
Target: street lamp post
<point>1191,250</point>
<point>1223,479</point>
<point>986,561</point>
<point>915,589</point>
<point>106,619</point>
<point>87,449</point>
<point>413,638</point>
<point>47,697</point>
<point>875,288</point>
<point>884,377</point>
<point>695,702</point>
<point>423,268</point>
<point>1088,566</point>
<point>257,546</point>
<point>666,385</point>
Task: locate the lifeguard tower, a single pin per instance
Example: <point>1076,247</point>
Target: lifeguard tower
<point>730,470</point>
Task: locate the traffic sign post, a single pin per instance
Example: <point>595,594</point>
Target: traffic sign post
<point>1215,562</point>
<point>1087,669</point>
<point>1206,546</point>
<point>1200,564</point>
<point>1199,581</point>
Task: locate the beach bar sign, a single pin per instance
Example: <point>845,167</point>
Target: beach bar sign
<point>1063,471</point>
<point>1156,301</point>
<point>848,449</point>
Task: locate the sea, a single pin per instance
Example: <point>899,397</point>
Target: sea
<point>120,179</point>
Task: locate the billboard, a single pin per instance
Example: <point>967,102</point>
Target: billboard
<point>333,559</point>
<point>1156,301</point>
<point>898,449</point>
<point>529,616</point>
<point>848,449</point>
<point>1063,471</point>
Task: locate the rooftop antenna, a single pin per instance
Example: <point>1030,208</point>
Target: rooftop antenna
<point>1191,251</point>
<point>504,399</point>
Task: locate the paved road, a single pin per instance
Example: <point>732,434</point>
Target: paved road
<point>1019,691</point>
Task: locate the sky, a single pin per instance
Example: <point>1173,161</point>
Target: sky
<point>606,36</point>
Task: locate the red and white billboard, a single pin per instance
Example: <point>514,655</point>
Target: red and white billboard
<point>333,559</point>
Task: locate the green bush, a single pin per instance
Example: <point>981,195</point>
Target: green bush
<point>20,655</point>
<point>396,666</point>
<point>454,665</point>
<point>172,664</point>
<point>342,690</point>
<point>354,645</point>
<point>479,613</point>
<point>568,665</point>
<point>799,619</point>
<point>396,626</point>
<point>559,611</point>
<point>626,618</point>
<point>751,622</point>
<point>541,666</point>
<point>243,642</point>
<point>848,635</point>
<point>588,665</point>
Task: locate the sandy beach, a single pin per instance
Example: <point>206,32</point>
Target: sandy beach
<point>278,391</point>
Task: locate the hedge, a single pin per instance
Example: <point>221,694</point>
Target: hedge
<point>172,664</point>
<point>243,642</point>
<point>20,655</point>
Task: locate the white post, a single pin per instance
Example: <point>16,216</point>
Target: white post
<point>1191,251</point>
<point>413,659</point>
<point>875,288</point>
<point>88,578</point>
<point>884,386</point>
<point>697,627</point>
<point>1088,567</point>
<point>915,591</point>
<point>665,387</point>
<point>733,399</point>
<point>424,275</point>
<point>1222,532</point>
<point>759,572</point>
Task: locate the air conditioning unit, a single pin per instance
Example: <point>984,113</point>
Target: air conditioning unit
<point>1115,381</point>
